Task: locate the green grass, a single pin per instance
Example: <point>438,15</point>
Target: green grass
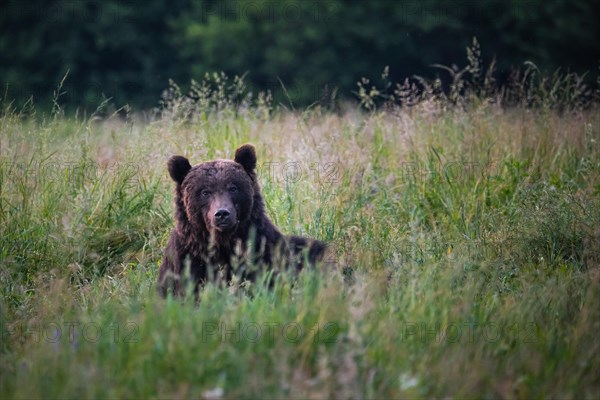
<point>472,234</point>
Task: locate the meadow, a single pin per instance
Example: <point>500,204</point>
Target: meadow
<point>466,229</point>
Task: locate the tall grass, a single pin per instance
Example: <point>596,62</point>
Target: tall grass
<point>466,233</point>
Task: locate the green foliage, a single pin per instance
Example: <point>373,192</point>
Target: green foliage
<point>525,87</point>
<point>114,49</point>
<point>303,52</point>
<point>465,235</point>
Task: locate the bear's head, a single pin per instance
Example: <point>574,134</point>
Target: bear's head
<point>218,195</point>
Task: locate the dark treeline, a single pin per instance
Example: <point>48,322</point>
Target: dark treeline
<point>128,50</point>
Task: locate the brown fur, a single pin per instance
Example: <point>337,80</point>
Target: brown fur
<point>219,210</point>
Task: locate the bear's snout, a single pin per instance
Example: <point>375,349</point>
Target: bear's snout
<point>222,214</point>
<point>222,217</point>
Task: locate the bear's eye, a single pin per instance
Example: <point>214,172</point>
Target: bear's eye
<point>233,189</point>
<point>205,193</point>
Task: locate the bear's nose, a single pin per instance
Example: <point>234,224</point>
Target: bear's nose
<point>222,214</point>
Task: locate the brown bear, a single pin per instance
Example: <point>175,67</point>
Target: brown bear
<point>222,227</point>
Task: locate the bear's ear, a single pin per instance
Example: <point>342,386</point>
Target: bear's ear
<point>246,156</point>
<point>178,168</point>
